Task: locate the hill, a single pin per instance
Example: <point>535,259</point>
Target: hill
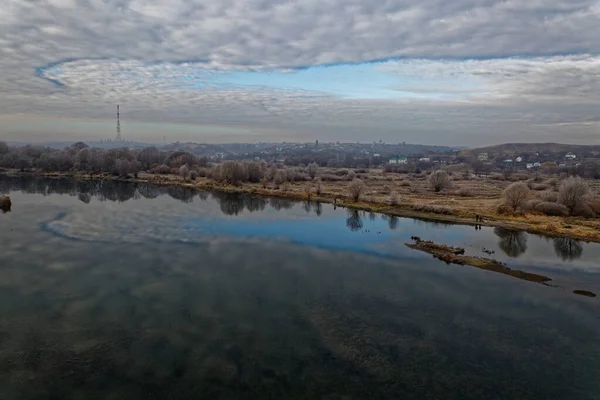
<point>511,149</point>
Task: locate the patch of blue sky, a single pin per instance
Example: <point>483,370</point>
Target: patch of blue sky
<point>351,81</point>
<point>363,81</point>
<point>324,233</point>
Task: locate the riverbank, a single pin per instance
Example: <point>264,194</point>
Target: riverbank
<point>443,208</point>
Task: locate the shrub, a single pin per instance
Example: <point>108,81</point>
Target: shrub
<point>539,186</point>
<point>254,171</point>
<point>312,170</point>
<point>439,180</point>
<point>393,198</point>
<point>286,186</point>
<point>331,178</point>
<point>593,203</point>
<point>572,194</point>
<point>583,210</point>
<point>515,194</point>
<point>351,175</point>
<point>464,192</point>
<point>405,183</point>
<point>530,205</point>
<point>279,178</point>
<point>552,209</point>
<point>308,189</point>
<point>496,177</point>
<point>184,172</point>
<point>432,209</point>
<point>264,182</point>
<point>161,169</point>
<point>552,182</point>
<point>202,172</point>
<point>232,172</point>
<point>355,189</point>
<point>549,196</point>
<point>504,209</point>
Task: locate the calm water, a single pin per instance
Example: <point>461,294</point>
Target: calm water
<point>116,291</point>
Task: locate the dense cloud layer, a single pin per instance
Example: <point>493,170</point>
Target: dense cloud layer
<point>77,59</point>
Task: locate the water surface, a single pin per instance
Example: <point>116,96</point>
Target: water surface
<point>122,291</point>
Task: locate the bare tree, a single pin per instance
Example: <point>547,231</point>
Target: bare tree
<point>318,189</point>
<point>122,167</point>
<point>515,195</point>
<point>232,172</point>
<point>254,171</point>
<point>393,198</point>
<point>312,170</point>
<point>439,180</point>
<point>83,159</point>
<point>149,156</point>
<point>279,178</point>
<point>184,172</point>
<point>355,189</point>
<point>572,193</point>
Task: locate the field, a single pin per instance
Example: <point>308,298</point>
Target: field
<point>411,195</point>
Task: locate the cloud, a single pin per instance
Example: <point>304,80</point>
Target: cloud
<point>65,58</point>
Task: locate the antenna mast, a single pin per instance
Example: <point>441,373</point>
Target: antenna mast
<point>119,137</point>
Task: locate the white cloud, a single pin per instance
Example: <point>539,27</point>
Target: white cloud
<point>259,34</point>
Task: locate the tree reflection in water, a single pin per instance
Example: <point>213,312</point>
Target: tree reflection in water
<point>254,203</point>
<point>567,249</point>
<point>184,195</point>
<point>354,221</point>
<point>513,243</point>
<point>230,203</point>
<point>318,208</point>
<point>280,204</point>
<point>307,206</point>
<point>392,221</point>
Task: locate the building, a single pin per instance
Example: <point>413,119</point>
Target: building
<point>519,159</point>
<point>570,156</point>
<point>482,157</point>
<point>399,160</point>
<point>529,165</point>
<point>425,159</point>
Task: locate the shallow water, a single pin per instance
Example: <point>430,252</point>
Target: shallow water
<point>112,290</point>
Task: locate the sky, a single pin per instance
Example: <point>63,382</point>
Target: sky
<point>460,72</point>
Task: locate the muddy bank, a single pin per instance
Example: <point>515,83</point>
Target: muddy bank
<point>455,255</point>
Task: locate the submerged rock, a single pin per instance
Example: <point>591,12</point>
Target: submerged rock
<point>584,293</point>
<point>5,203</point>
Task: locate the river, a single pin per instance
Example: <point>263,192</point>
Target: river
<point>120,291</point>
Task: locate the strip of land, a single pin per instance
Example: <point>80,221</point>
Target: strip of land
<point>390,194</point>
<point>455,255</point>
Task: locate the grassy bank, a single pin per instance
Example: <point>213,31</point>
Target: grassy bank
<point>412,202</point>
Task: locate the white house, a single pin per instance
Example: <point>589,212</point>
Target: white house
<point>529,165</point>
<point>570,156</point>
<point>425,159</point>
<point>519,159</point>
<point>482,157</point>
